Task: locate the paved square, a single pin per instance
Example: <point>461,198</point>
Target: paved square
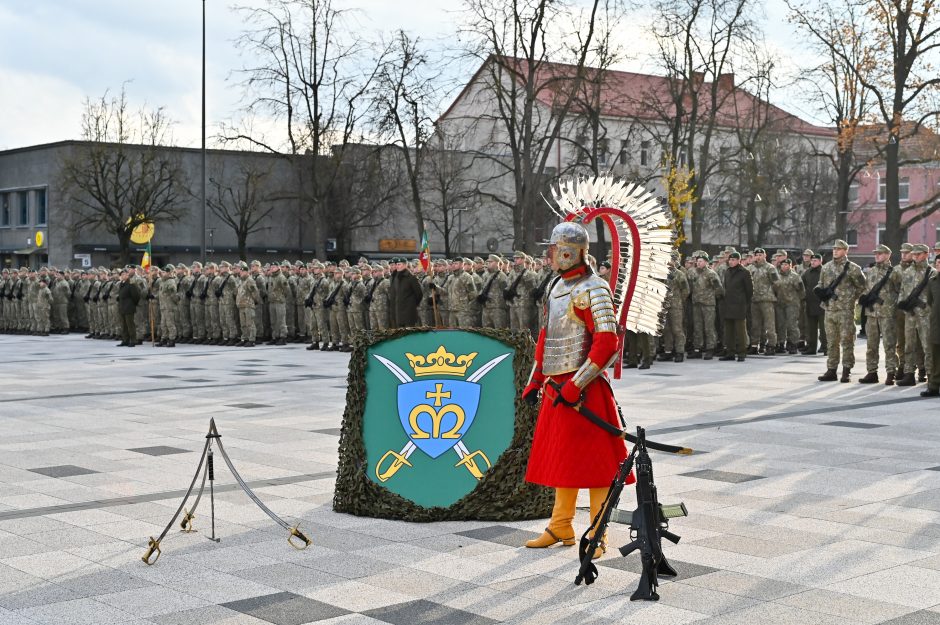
<point>808,502</point>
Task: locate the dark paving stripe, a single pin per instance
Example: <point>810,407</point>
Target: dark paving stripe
<point>62,470</point>
<point>861,425</point>
<point>173,494</point>
<point>164,389</point>
<point>782,415</point>
<point>425,612</point>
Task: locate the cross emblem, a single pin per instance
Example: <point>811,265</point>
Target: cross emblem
<point>437,395</point>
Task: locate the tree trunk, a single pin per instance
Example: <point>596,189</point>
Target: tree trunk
<point>242,241</point>
<point>124,240</point>
<point>696,220</point>
<point>893,234</point>
<point>844,172</point>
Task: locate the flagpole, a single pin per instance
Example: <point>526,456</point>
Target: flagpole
<point>202,214</point>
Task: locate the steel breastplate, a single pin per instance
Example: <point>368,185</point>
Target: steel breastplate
<point>567,340</point>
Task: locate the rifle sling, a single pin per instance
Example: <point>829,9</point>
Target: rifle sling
<point>835,283</point>
<point>515,283</point>
<point>489,285</point>
<point>915,294</point>
<point>876,290</point>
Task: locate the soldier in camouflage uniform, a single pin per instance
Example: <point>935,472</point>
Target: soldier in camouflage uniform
<point>61,293</point>
<point>198,304</point>
<point>463,295</point>
<point>142,314</point>
<point>43,306</point>
<point>185,284</point>
<point>113,315</point>
<point>899,321</point>
<point>228,312</point>
<point>378,307</point>
<point>763,330</point>
<point>301,290</point>
<point>705,288</point>
<point>912,299</point>
<point>356,296</point>
<point>840,310</point>
<point>522,282</point>
<point>492,295</point>
<point>789,292</point>
<point>314,276</point>
<point>262,322</point>
<point>882,288</point>
<point>438,285</point>
<point>213,325</point>
<point>341,278</point>
<point>169,301</point>
<point>247,298</point>
<point>540,294</point>
<point>278,287</point>
<point>321,292</point>
<point>674,328</point>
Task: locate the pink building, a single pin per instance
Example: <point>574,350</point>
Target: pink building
<point>918,182</point>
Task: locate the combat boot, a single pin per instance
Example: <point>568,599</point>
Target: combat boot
<point>249,343</point>
<point>665,356</point>
<point>708,355</point>
<point>170,343</point>
<point>828,376</point>
<point>846,374</point>
<point>313,346</point>
<point>240,343</point>
<point>791,348</point>
<point>727,357</point>
<point>930,392</point>
<point>630,365</point>
<point>644,365</point>
<point>280,342</point>
<point>889,380</point>
<point>907,380</point>
<point>695,354</point>
<point>752,350</point>
<point>921,375</point>
<point>870,378</point>
<point>680,357</point>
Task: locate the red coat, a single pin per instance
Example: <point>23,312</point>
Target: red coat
<point>568,451</point>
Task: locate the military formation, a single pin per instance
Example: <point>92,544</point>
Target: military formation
<point>243,304</point>
<point>729,307</point>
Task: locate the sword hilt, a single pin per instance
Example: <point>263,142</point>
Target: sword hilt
<point>469,462</point>
<point>398,462</point>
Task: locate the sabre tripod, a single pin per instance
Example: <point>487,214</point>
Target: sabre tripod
<point>207,469</point>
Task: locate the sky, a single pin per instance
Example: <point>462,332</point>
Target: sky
<point>56,53</point>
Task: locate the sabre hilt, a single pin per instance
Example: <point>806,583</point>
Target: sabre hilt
<point>153,547</point>
<point>296,533</point>
<point>186,525</point>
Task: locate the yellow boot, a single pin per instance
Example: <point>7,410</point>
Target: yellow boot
<point>598,495</point>
<point>560,527</point>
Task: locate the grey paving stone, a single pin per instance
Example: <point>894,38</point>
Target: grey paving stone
<point>159,450</point>
<point>285,608</point>
<point>921,617</point>
<point>426,613</point>
<point>161,376</point>
<point>337,431</point>
<point>632,564</point>
<point>197,380</point>
<point>501,534</point>
<point>62,470</point>
<point>861,425</point>
<point>37,596</point>
<point>722,476</point>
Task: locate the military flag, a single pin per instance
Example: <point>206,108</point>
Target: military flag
<point>425,254</point>
<point>145,261</point>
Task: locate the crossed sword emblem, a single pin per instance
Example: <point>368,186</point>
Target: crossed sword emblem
<point>400,458</point>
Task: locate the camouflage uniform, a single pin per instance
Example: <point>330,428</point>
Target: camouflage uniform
<point>262,322</point>
<point>917,319</point>
<point>198,311</point>
<point>674,328</point>
<point>840,311</point>
<point>881,327</point>
<point>339,319</point>
<point>247,297</point>
<point>228,312</point>
<point>322,289</point>
<point>61,294</point>
<point>213,325</point>
<point>185,284</point>
<point>378,307</point>
<point>356,296</point>
<point>763,316</point>
<point>290,306</point>
<point>169,301</point>
<point>463,294</point>
<point>789,292</point>
<point>43,307</point>
<point>495,311</point>
<point>278,287</point>
<point>705,288</point>
<point>522,283</point>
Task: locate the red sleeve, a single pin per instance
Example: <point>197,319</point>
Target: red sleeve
<point>603,344</point>
<point>537,375</point>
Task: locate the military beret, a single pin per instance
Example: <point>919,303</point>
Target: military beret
<point>605,263</point>
<point>817,256</point>
<point>273,267</point>
<point>169,268</point>
<point>920,248</point>
<point>494,257</point>
<point>786,261</point>
<point>906,247</point>
<point>735,255</point>
<point>882,249</point>
<point>808,252</point>
<point>759,250</point>
<point>840,245</point>
<point>703,256</point>
<point>243,265</point>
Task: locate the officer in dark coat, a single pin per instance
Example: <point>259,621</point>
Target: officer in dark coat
<point>739,289</point>
<point>404,296</point>
<point>128,298</point>
<point>815,315</point>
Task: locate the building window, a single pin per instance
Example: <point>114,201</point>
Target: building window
<point>904,189</point>
<point>644,153</point>
<point>24,208</point>
<point>4,209</point>
<point>880,234</point>
<point>683,156</point>
<point>851,237</point>
<point>724,154</point>
<point>853,193</point>
<point>41,207</point>
<point>623,151</point>
<point>725,217</point>
<point>602,148</point>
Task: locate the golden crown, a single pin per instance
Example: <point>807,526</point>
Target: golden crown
<point>441,362</point>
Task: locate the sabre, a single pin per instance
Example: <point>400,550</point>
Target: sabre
<point>400,459</point>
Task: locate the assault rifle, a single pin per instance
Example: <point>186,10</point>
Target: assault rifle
<point>221,288</point>
<point>912,302</point>
<point>829,292</point>
<point>870,299</point>
<point>375,283</point>
<point>331,298</point>
<point>190,290</point>
<point>540,290</point>
<point>512,292</point>
<point>649,524</point>
<point>484,295</point>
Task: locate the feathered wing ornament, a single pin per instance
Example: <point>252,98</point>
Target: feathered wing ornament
<point>642,243</point>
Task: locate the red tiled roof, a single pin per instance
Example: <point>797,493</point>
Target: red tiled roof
<point>647,97</point>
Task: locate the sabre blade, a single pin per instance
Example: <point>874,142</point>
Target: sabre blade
<point>395,369</point>
<point>482,371</point>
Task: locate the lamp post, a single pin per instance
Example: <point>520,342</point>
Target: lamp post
<point>202,213</point>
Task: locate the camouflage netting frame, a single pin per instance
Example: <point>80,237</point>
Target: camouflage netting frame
<point>502,494</point>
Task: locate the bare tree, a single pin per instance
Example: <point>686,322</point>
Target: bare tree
<point>405,94</point>
<point>309,71</point>
<point>452,199</point>
<point>123,175</point>
<point>527,92</point>
<point>902,38</point>
<point>241,200</point>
